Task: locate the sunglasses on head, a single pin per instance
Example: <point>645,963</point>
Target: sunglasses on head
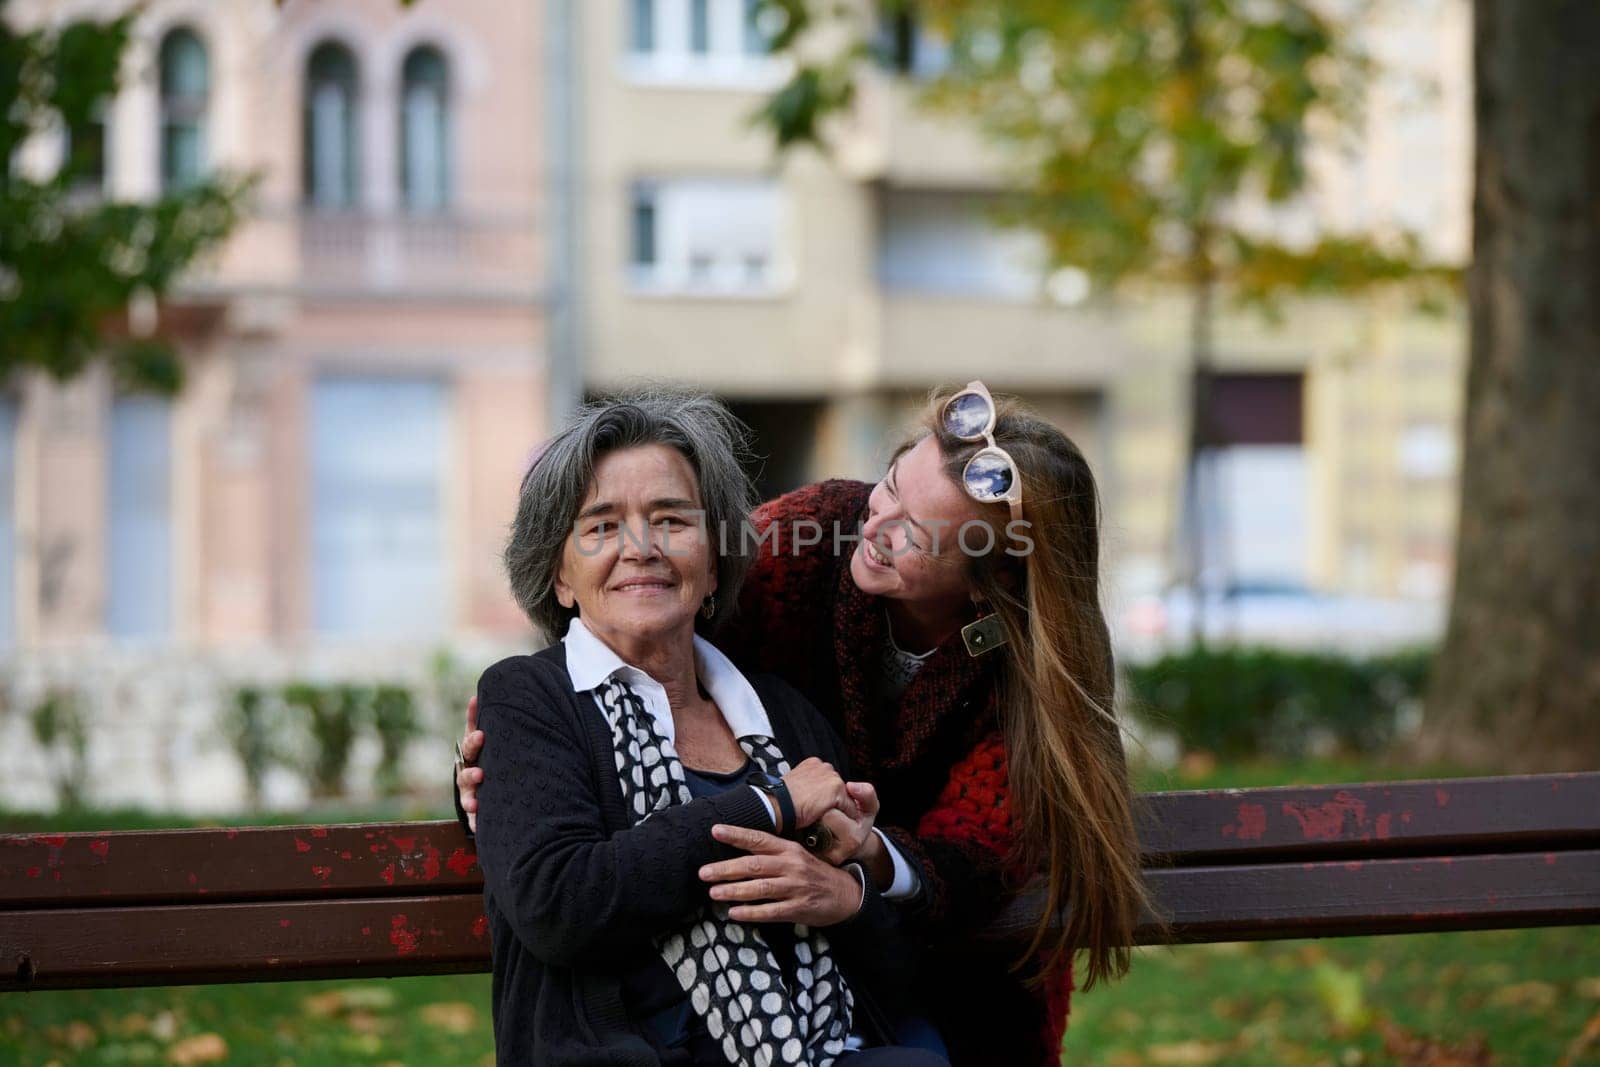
<point>991,475</point>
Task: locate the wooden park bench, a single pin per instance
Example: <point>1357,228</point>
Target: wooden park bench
<point>390,899</point>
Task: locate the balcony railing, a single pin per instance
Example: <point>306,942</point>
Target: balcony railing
<point>356,253</point>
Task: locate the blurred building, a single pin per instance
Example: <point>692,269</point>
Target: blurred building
<point>366,360</point>
<point>471,212</point>
<point>826,296</point>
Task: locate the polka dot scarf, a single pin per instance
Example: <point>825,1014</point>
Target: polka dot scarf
<point>732,979</point>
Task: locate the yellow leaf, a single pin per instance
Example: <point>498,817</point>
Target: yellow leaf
<point>201,1048</point>
<point>1187,1053</point>
<point>452,1017</point>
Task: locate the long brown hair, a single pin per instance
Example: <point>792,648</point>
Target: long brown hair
<point>1071,802</point>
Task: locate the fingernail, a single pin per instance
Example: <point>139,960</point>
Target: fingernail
<point>705,872</point>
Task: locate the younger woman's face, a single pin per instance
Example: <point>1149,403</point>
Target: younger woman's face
<point>910,546</point>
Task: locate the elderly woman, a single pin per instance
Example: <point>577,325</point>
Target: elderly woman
<point>631,755</point>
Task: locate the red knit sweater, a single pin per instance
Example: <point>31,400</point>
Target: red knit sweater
<point>936,756</point>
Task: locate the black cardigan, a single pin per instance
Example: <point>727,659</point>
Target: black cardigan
<point>574,893</point>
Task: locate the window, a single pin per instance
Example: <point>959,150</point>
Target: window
<point>83,156</point>
<point>8,520</point>
<point>910,47</point>
<point>377,540</point>
<point>1254,481</point>
<point>425,131</point>
<point>700,41</point>
<point>705,236</point>
<point>948,245</point>
<point>139,548</point>
<point>330,128</point>
<point>185,91</point>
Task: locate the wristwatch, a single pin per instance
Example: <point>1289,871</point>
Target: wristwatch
<point>778,790</point>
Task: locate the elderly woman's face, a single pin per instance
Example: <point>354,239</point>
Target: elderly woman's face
<point>638,562</point>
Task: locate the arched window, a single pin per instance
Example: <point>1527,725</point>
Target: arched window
<point>425,131</point>
<point>185,91</point>
<point>331,172</point>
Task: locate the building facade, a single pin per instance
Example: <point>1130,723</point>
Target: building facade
<point>825,297</point>
<point>366,365</point>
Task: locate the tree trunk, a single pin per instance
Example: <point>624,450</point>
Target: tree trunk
<point>1517,686</point>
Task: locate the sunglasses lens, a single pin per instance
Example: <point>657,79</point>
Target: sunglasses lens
<point>967,416</point>
<point>990,477</point>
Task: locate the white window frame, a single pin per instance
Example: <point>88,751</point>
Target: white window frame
<point>672,60</point>
<point>681,268</point>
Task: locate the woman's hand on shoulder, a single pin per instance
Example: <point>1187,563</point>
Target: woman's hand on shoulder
<point>779,881</point>
<point>469,776</point>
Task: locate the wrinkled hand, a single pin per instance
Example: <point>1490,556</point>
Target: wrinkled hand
<point>470,777</point>
<point>851,833</point>
<point>816,789</point>
<point>779,881</point>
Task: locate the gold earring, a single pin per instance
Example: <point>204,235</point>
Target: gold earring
<point>708,607</point>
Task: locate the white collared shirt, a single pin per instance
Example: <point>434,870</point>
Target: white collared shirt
<point>591,663</point>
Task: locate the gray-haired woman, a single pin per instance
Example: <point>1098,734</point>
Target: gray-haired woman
<point>631,754</point>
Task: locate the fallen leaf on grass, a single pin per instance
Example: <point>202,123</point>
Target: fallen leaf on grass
<point>164,1027</point>
<point>1535,995</point>
<point>368,997</point>
<point>364,1022</point>
<point>451,1016</point>
<point>1587,1039</point>
<point>1589,987</point>
<point>131,1025</point>
<point>324,1005</point>
<point>76,1035</point>
<point>201,1048</point>
<point>1187,1053</point>
<point>1411,1050</point>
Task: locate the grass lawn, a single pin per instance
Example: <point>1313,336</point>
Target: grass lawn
<point>1525,997</point>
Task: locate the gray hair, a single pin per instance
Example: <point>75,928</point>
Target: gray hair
<point>696,424</point>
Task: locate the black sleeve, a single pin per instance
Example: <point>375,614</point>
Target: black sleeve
<point>572,893</point>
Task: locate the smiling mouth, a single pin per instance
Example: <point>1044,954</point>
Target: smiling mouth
<point>647,585</point>
<point>876,555</point>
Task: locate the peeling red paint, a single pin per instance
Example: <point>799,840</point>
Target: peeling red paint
<point>430,865</point>
<point>232,834</point>
<point>1326,821</point>
<point>53,840</point>
<point>319,831</point>
<point>375,849</point>
<point>1252,823</point>
<point>344,855</point>
<point>460,862</point>
<point>402,937</point>
<point>366,929</point>
<point>1405,816</point>
<point>404,844</point>
<point>194,879</point>
<point>1550,859</point>
<point>388,874</point>
<point>321,872</point>
<point>480,927</point>
<point>1441,797</point>
<point>34,872</point>
<point>302,846</point>
<point>1354,865</point>
<point>284,923</point>
<point>100,848</point>
<point>56,875</point>
<point>1382,827</point>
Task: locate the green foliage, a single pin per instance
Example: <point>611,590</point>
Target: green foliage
<point>1139,129</point>
<point>249,727</point>
<point>1245,702</point>
<point>62,730</point>
<point>394,717</point>
<point>331,715</point>
<point>71,261</point>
